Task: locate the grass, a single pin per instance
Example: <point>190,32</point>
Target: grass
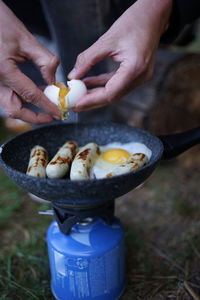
<point>24,272</point>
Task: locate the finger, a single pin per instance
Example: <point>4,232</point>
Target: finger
<point>12,106</point>
<point>27,90</point>
<point>42,57</point>
<point>115,88</point>
<point>95,98</point>
<point>98,80</point>
<point>91,56</point>
<point>30,116</point>
<point>131,73</point>
<point>121,83</point>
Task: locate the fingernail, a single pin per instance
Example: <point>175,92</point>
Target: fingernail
<point>73,73</point>
<point>56,117</point>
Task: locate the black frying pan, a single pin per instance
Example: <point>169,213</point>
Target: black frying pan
<point>15,155</point>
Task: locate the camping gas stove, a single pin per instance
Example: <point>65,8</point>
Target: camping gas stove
<point>86,253</point>
<point>85,241</point>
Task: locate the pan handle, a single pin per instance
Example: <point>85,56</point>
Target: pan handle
<point>175,144</point>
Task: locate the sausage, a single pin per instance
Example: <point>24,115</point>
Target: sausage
<point>37,162</point>
<point>83,161</point>
<point>60,163</point>
<point>134,162</point>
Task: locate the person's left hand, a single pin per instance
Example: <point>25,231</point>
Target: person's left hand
<point>132,41</point>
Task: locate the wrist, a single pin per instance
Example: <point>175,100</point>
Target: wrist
<point>160,10</point>
<point>167,14</point>
<point>164,9</point>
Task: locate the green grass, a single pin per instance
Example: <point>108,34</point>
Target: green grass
<point>24,269</point>
<point>9,203</point>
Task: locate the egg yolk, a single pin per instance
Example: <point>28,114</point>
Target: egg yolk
<point>62,93</point>
<point>116,156</point>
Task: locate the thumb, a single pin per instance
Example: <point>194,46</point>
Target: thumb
<point>43,58</point>
<point>88,58</point>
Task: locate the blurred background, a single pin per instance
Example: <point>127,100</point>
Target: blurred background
<point>161,218</point>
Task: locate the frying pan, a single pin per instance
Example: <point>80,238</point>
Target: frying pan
<point>15,153</point>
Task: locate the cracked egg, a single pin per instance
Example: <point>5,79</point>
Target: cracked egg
<point>65,96</point>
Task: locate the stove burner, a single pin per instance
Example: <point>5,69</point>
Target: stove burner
<point>67,217</point>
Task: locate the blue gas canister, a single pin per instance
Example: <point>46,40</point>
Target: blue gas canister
<point>87,264</point>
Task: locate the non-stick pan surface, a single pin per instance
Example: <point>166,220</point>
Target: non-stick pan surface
<point>15,154</point>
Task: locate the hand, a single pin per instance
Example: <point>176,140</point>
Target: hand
<point>18,45</point>
<point>132,41</point>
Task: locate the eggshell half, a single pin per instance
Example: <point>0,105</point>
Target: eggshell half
<point>77,90</point>
<point>52,93</point>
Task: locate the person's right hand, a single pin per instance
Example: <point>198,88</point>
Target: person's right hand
<point>132,41</point>
<point>17,45</point>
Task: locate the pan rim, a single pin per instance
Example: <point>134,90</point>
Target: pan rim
<point>87,181</point>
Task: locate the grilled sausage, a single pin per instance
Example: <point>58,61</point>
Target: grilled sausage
<point>37,162</point>
<point>61,162</point>
<point>134,162</point>
<point>83,161</point>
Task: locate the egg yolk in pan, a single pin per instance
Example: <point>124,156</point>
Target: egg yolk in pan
<point>116,156</point>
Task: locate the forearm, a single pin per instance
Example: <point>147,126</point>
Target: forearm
<point>6,14</point>
<point>160,10</point>
<point>151,16</point>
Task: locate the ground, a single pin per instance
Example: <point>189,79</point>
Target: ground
<point>161,221</point>
<point>162,225</point>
